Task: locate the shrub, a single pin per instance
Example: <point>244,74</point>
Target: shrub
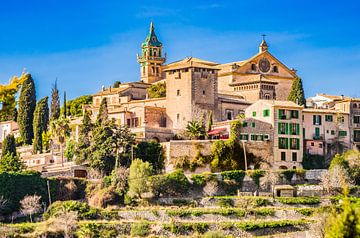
<point>298,200</point>
<point>83,209</point>
<point>250,226</point>
<point>256,175</point>
<point>176,183</point>
<point>225,202</point>
<point>140,228</point>
<point>237,175</point>
<point>306,211</point>
<point>198,180</point>
<point>181,202</point>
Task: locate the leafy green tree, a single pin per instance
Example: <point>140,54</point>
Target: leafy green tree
<point>116,84</point>
<point>195,130</point>
<point>74,107</point>
<point>82,150</point>
<point>157,90</point>
<point>102,155</point>
<point>345,222</point>
<point>41,120</point>
<point>70,150</point>
<point>124,141</point>
<point>297,94</point>
<point>103,112</point>
<point>11,163</point>
<point>9,145</point>
<point>139,174</point>
<point>55,103</point>
<point>151,152</point>
<point>27,103</point>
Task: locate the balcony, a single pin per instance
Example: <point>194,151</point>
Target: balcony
<point>318,137</point>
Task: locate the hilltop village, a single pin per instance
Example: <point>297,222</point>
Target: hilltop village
<point>236,140</point>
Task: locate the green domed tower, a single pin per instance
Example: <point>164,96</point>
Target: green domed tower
<point>151,58</point>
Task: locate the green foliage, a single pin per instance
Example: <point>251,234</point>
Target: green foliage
<point>306,211</point>
<point>171,184</point>
<point>236,175</point>
<point>157,90</point>
<point>254,225</point>
<point>227,155</point>
<point>46,137</point>
<point>199,180</point>
<point>350,162</point>
<point>225,202</point>
<point>40,124</point>
<point>102,117</point>
<point>195,130</point>
<point>84,211</point>
<point>116,84</point>
<point>186,227</point>
<point>8,146</point>
<point>339,160</point>
<point>11,163</point>
<point>256,175</point>
<point>210,121</point>
<point>181,202</point>
<point>74,108</point>
<point>139,173</point>
<point>237,212</point>
<point>82,150</point>
<point>297,94</point>
<point>151,152</point>
<point>55,103</point>
<point>298,200</point>
<point>27,103</point>
<point>344,222</point>
<point>70,150</point>
<point>314,162</point>
<point>141,229</point>
<point>16,185</point>
<point>288,174</point>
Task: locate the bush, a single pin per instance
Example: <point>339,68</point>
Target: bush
<point>140,228</point>
<point>298,200</point>
<point>256,175</point>
<point>225,202</point>
<point>83,209</point>
<point>172,184</point>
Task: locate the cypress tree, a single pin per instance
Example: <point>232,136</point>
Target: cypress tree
<point>9,146</point>
<point>55,103</point>
<point>297,94</point>
<point>210,121</point>
<point>103,112</point>
<point>41,120</point>
<point>27,103</point>
<point>64,104</point>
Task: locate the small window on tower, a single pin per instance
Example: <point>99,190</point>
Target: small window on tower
<point>203,92</point>
<point>178,92</point>
<point>275,69</point>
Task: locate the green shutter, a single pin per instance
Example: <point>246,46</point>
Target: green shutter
<point>314,119</point>
<point>297,129</point>
<point>287,143</point>
<point>279,131</point>
<point>320,120</point>
<point>279,113</point>
<point>291,126</point>
<point>286,128</point>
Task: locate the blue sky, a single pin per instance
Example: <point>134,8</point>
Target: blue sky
<point>87,44</point>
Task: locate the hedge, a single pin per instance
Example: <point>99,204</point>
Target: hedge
<point>298,200</point>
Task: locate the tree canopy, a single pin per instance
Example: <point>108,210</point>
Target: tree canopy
<point>74,108</point>
<point>297,94</point>
<point>41,122</point>
<point>157,90</point>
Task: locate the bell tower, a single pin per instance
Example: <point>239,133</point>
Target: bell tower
<point>151,58</point>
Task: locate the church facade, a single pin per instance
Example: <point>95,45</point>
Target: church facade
<point>195,89</point>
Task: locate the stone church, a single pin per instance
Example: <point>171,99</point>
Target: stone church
<point>194,88</point>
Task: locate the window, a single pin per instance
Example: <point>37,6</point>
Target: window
<point>317,133</point>
<point>320,146</point>
<point>266,137</point>
<point>244,137</point>
<point>229,114</point>
<point>178,92</point>
<point>283,143</point>
<point>282,114</point>
<point>356,119</point>
<point>275,69</point>
<point>342,133</point>
<point>282,128</point>
<point>178,118</point>
<point>253,137</point>
<point>128,122</point>
<point>253,67</point>
<point>329,118</point>
<point>266,113</point>
<point>203,92</point>
<point>294,143</point>
<point>253,124</point>
<point>294,156</point>
<point>294,129</point>
<point>294,114</point>
<point>317,120</point>
<point>245,124</point>
<point>332,132</point>
<point>254,114</point>
<point>283,155</point>
<point>312,144</point>
<point>327,131</point>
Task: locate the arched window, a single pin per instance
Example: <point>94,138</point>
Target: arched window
<point>275,69</point>
<point>253,67</point>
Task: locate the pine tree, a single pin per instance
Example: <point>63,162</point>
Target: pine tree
<point>40,123</point>
<point>103,112</point>
<point>55,103</point>
<point>27,103</point>
<point>9,146</point>
<point>65,113</point>
<point>297,94</point>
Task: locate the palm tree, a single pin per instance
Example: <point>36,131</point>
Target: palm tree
<point>60,129</point>
<point>195,130</point>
